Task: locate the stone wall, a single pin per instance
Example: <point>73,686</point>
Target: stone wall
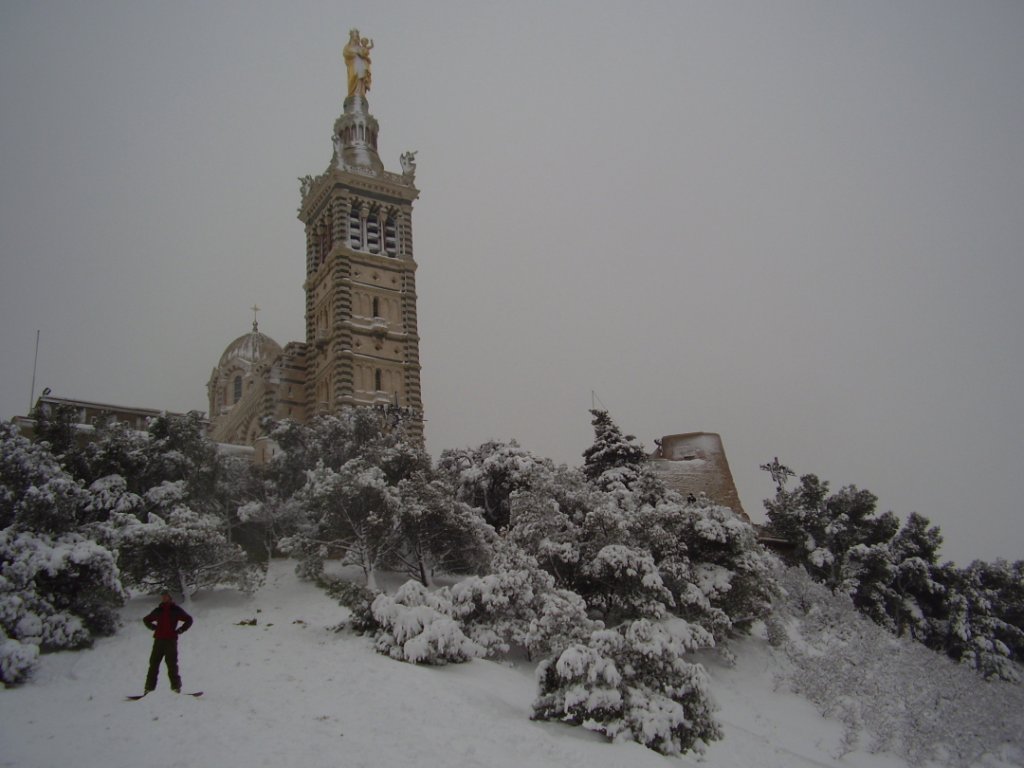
<point>695,463</point>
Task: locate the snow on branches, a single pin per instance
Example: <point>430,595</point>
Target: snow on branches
<point>416,626</point>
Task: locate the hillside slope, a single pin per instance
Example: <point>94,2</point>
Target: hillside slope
<point>290,691</point>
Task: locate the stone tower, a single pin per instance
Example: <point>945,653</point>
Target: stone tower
<point>362,340</point>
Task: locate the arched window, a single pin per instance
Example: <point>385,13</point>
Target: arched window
<point>238,388</point>
<point>376,307</point>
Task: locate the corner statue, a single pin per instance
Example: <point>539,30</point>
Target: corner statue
<point>357,63</point>
<point>163,620</point>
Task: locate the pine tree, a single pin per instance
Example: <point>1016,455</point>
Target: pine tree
<point>614,460</point>
<point>822,528</point>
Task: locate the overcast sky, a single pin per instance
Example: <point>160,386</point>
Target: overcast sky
<point>798,224</point>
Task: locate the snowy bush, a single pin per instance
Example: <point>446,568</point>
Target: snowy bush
<point>631,683</point>
<point>36,493</point>
<point>561,620</point>
<point>415,626</point>
<point>58,588</point>
<point>17,660</point>
<point>56,592</point>
<point>517,606</point>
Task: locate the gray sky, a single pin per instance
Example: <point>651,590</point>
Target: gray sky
<point>798,224</point>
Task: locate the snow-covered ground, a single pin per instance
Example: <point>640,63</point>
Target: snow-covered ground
<point>289,691</point>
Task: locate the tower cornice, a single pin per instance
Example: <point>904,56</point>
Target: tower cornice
<point>385,187</point>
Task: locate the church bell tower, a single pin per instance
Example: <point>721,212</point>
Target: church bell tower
<point>362,340</point>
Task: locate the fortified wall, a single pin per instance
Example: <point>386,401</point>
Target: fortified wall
<point>695,463</point>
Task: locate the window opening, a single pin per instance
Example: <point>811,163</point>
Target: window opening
<point>373,234</point>
<point>355,233</point>
<point>391,237</point>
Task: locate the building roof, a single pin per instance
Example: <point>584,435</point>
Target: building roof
<point>252,347</point>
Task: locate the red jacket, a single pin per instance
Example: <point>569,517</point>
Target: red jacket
<point>163,620</point>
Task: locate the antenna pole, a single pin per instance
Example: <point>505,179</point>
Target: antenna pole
<point>35,361</point>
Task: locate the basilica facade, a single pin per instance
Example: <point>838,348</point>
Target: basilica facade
<point>362,341</point>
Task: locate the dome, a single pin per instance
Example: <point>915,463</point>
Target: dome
<point>252,347</point>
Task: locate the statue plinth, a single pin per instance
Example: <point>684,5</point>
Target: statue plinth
<point>355,136</point>
<point>357,105</point>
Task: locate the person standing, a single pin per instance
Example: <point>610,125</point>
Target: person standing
<point>164,620</point>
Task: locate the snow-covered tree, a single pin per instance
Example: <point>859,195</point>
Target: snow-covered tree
<point>36,493</point>
<point>892,693</point>
<point>823,527</point>
<point>893,576</point>
<point>614,460</point>
<point>332,441</point>
<point>271,519</point>
<point>632,683</point>
<point>1003,583</point>
<point>623,582</point>
<point>178,548</point>
<point>58,587</point>
<point>727,566</point>
<point>972,628</point>
<point>343,473</point>
<point>488,476</point>
<point>894,582</point>
<point>548,522</point>
<point>57,592</point>
<point>437,532</point>
<point>351,512</point>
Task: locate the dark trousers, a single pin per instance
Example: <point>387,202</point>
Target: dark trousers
<point>163,650</point>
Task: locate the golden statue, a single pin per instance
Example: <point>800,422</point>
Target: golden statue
<point>357,63</point>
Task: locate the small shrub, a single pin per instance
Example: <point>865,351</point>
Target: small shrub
<point>358,599</point>
<point>17,660</point>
